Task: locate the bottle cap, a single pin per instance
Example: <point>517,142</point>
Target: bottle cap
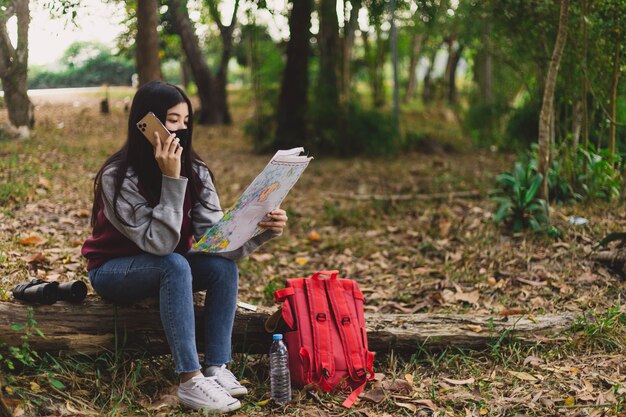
<point>277,337</point>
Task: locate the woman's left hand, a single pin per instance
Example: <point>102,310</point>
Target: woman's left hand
<point>277,221</point>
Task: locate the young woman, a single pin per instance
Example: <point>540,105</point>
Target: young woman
<point>149,205</point>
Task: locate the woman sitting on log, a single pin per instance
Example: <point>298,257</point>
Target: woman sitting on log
<point>149,204</point>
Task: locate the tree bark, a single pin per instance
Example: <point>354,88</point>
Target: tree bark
<point>291,114</point>
<point>209,112</point>
<point>416,47</point>
<point>91,328</point>
<point>347,45</point>
<point>577,118</point>
<point>614,88</point>
<point>428,90</point>
<point>14,67</point>
<point>585,87</point>
<point>486,86</point>
<point>375,60</point>
<point>4,410</point>
<point>394,63</point>
<point>547,107</point>
<point>454,63</point>
<point>147,41</point>
<point>221,77</point>
<point>328,109</point>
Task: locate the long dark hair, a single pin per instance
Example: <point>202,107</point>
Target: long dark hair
<point>137,152</point>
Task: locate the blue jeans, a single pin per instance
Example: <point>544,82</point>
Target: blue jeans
<point>174,278</point>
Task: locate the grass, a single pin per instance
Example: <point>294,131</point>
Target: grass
<point>402,252</point>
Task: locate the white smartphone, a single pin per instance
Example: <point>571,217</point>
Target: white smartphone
<point>150,124</point>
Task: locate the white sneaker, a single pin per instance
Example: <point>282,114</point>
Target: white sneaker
<point>202,393</point>
<point>227,380</point>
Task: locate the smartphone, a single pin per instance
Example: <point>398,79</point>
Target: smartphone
<point>150,124</point>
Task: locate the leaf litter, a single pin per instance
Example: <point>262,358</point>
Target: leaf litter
<point>425,255</point>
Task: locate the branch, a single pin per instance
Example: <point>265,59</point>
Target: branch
<point>405,197</point>
<point>610,257</point>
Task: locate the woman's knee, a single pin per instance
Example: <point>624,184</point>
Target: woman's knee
<point>176,265</point>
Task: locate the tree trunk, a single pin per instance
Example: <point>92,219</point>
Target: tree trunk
<point>394,62</point>
<point>91,328</point>
<point>486,86</point>
<point>416,47</point>
<point>427,92</point>
<point>577,117</point>
<point>585,87</point>
<point>348,44</point>
<point>221,78</point>
<point>185,75</point>
<point>329,114</point>
<point>291,114</point>
<point>454,63</point>
<point>147,42</point>
<point>614,88</point>
<point>14,67</point>
<point>547,107</point>
<point>209,110</point>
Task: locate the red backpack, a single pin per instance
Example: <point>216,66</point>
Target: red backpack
<point>326,336</point>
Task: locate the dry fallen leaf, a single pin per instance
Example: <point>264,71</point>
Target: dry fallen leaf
<point>408,406</point>
<point>511,312</point>
<point>523,376</point>
<point>313,235</point>
<point>302,261</point>
<point>261,257</point>
<point>32,240</point>
<point>427,403</point>
<point>36,258</point>
<point>375,395</point>
<point>469,297</point>
<point>398,385</point>
<point>459,381</point>
<point>474,327</point>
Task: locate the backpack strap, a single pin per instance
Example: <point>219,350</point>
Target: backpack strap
<point>350,333</point>
<point>349,330</point>
<point>323,358</point>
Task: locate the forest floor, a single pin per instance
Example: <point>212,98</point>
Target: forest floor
<point>408,256</point>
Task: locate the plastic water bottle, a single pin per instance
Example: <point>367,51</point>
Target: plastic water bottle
<point>279,371</point>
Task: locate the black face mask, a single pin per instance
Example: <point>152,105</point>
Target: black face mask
<point>183,137</point>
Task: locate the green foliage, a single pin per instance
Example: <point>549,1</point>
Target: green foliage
<point>559,188</point>
<point>370,132</point>
<point>603,330</point>
<point>483,121</point>
<point>21,356</point>
<point>87,64</point>
<point>523,123</point>
<point>17,178</point>
<point>519,207</point>
<point>603,178</point>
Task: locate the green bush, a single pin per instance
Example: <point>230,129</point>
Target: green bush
<point>602,179</point>
<point>523,124</point>
<point>483,121</point>
<point>101,69</point>
<point>519,207</point>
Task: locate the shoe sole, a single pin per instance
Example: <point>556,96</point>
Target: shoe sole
<point>198,406</point>
<point>238,392</point>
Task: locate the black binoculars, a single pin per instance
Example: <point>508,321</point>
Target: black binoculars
<point>43,292</point>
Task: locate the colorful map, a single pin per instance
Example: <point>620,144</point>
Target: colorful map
<point>264,194</point>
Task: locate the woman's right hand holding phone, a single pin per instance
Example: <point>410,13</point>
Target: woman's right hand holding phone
<point>167,153</point>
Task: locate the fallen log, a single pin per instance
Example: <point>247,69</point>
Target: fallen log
<point>610,257</point>
<point>95,326</point>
